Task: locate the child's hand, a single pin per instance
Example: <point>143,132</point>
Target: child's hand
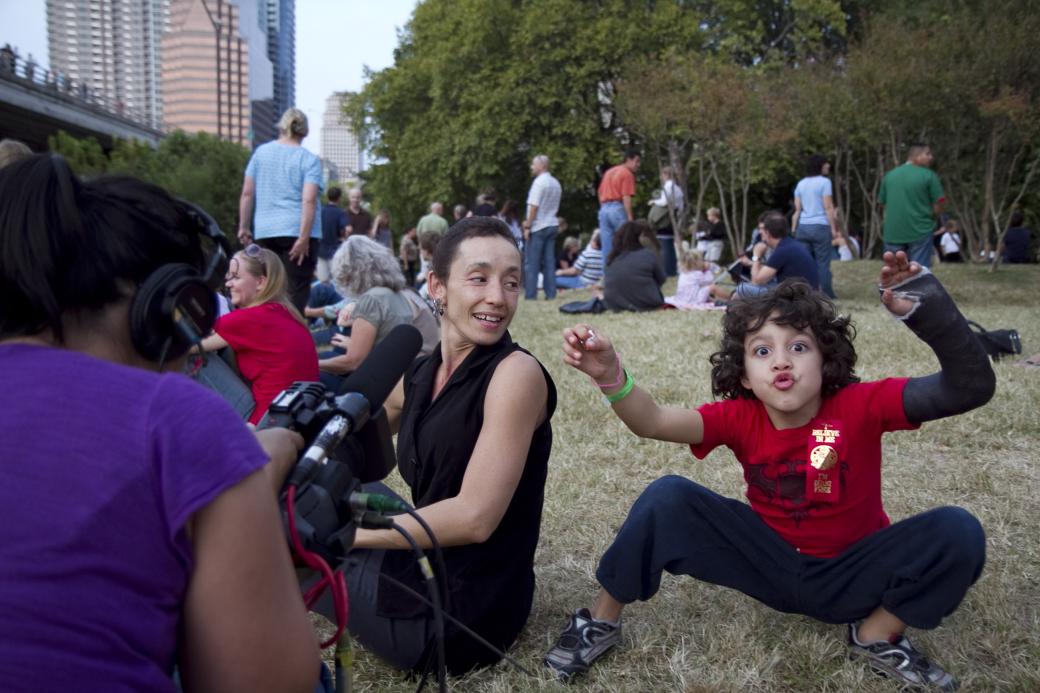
<point>896,269</point>
<point>345,318</point>
<point>590,352</point>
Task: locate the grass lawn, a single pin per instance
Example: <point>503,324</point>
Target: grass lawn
<point>698,637</point>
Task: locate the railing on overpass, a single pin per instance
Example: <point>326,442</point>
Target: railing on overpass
<point>31,74</point>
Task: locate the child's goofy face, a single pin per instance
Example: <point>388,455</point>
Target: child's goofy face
<point>783,366</point>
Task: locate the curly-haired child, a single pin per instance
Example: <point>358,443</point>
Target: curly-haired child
<point>815,539</point>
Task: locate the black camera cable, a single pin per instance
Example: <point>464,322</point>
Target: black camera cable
<point>434,601</point>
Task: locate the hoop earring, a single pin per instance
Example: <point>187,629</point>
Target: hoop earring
<point>438,306</point>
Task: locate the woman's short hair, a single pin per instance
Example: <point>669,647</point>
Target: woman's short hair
<point>293,123</point>
<point>633,235</point>
<point>814,164</point>
<point>464,229</point>
<point>361,264</point>
<point>792,303</point>
<point>71,247</point>
<point>261,262</point>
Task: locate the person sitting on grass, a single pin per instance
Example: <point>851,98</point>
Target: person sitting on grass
<point>696,277</point>
<point>633,276</point>
<point>586,270</point>
<point>815,539</point>
<point>787,259</point>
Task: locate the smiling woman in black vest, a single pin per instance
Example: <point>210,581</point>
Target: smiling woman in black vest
<point>473,445</point>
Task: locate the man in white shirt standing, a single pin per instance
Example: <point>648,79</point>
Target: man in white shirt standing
<point>540,229</point>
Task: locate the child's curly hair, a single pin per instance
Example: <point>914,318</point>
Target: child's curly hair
<point>793,303</point>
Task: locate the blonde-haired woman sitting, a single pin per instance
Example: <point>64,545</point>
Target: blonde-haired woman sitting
<point>266,332</point>
<point>367,271</point>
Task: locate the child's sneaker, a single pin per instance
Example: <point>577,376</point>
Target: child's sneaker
<point>901,661</point>
<point>581,644</point>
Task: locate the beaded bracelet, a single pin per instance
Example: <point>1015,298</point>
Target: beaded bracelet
<point>623,392</point>
<point>619,379</point>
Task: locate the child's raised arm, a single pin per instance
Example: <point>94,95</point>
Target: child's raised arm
<point>591,352</point>
<point>966,379</point>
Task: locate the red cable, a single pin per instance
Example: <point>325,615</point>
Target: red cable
<point>334,580</point>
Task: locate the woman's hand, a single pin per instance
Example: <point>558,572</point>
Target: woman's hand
<point>283,447</point>
<point>300,249</point>
<point>346,315</point>
<point>897,268</point>
<point>590,352</point>
<point>340,340</point>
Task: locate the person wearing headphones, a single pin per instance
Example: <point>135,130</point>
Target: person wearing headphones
<point>138,519</point>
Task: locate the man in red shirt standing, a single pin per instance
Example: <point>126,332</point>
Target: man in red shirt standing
<point>616,191</point>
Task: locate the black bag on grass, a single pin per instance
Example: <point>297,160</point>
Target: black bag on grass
<point>593,305</point>
<point>997,343</point>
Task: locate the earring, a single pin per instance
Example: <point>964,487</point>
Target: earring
<point>438,306</point>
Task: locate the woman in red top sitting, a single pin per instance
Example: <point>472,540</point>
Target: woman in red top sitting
<point>268,335</point>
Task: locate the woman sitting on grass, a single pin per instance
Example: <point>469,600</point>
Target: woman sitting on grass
<point>815,539</point>
<point>473,446</point>
<point>269,338</point>
<point>634,275</point>
<point>368,272</point>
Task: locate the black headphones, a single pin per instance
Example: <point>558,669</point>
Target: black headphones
<point>176,306</point>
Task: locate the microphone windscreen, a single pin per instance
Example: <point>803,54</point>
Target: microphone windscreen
<point>377,375</point>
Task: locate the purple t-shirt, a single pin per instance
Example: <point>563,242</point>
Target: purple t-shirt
<point>102,466</point>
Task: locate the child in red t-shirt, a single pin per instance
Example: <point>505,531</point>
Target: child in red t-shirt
<point>815,539</point>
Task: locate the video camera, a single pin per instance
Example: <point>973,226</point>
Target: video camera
<point>347,443</point>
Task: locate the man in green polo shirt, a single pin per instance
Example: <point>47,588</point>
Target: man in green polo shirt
<point>912,197</point>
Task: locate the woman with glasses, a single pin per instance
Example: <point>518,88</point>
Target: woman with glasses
<point>267,334</point>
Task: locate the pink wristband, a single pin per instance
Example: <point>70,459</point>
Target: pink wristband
<point>620,374</point>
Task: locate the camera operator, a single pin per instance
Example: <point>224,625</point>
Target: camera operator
<point>473,445</point>
<point>138,520</point>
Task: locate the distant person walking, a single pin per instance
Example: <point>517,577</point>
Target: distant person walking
<point>814,221</point>
<point>334,224</point>
<point>912,197</point>
<point>360,219</point>
<point>540,229</point>
<point>283,180</point>
<point>616,191</point>
<point>434,221</point>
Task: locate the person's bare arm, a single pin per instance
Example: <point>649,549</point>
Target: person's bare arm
<point>532,212</point>
<point>761,273</point>
<point>245,211</point>
<point>212,343</point>
<point>592,353</point>
<point>245,627</point>
<point>626,200</point>
<point>494,468</point>
<point>301,248</point>
<point>362,339</point>
<point>832,218</point>
<point>797,213</point>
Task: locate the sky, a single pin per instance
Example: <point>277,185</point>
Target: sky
<point>335,41</point>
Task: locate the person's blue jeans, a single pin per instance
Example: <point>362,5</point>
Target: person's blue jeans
<point>920,250</point>
<point>611,216</point>
<point>569,282</point>
<point>669,261</point>
<point>749,289</point>
<point>816,238</point>
<point>540,256</point>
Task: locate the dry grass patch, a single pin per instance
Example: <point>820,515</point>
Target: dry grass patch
<point>697,637</point>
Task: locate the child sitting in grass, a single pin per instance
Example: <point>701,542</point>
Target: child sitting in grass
<point>696,275</point>
<point>815,539</point>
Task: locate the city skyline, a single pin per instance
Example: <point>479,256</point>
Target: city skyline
<point>335,42</point>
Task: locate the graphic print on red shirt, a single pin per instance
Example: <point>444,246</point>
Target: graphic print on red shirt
<point>775,462</point>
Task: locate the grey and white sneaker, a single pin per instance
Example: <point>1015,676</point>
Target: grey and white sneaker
<point>901,661</point>
<point>583,641</point>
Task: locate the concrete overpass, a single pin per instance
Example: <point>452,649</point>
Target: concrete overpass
<point>35,103</point>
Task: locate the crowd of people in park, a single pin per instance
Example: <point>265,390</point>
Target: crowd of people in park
<point>114,289</point>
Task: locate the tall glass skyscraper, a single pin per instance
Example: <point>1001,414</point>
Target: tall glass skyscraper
<point>280,23</point>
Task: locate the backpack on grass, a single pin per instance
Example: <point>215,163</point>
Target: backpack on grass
<point>997,343</point>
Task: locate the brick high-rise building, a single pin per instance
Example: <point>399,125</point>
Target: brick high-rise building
<point>340,148</point>
<point>215,74</point>
<point>114,47</point>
